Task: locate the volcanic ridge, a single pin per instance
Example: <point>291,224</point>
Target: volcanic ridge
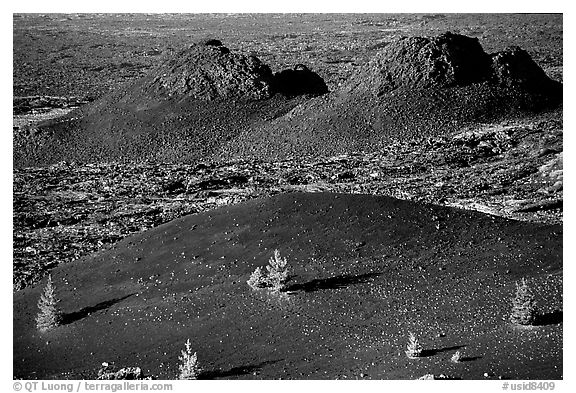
<point>205,102</point>
<point>185,108</point>
<point>413,88</point>
<point>168,249</point>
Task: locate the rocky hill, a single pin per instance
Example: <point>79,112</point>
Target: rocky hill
<point>415,87</point>
<point>184,109</point>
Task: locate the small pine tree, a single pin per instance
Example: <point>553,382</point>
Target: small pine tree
<point>523,305</point>
<point>49,316</point>
<point>257,279</point>
<point>414,349</point>
<point>189,368</point>
<point>277,272</point>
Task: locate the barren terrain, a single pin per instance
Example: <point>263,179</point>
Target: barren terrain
<point>426,233</point>
<point>366,271</point>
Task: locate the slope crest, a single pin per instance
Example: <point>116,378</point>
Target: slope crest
<point>208,70</point>
<point>414,88</point>
<point>447,60</point>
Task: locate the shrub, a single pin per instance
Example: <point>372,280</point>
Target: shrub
<point>189,368</point>
<point>457,357</point>
<point>414,349</point>
<point>49,316</point>
<point>108,371</point>
<point>523,305</point>
<point>276,277</point>
<point>258,279</point>
<point>432,377</point>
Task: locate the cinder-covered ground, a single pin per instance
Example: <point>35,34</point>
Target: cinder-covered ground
<point>66,211</point>
<point>426,235</point>
<point>86,55</point>
<point>366,271</point>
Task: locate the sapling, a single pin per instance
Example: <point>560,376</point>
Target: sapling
<point>414,349</point>
<point>277,272</point>
<point>275,277</point>
<point>49,316</point>
<point>189,368</point>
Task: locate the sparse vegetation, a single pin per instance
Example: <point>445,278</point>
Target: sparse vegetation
<point>432,377</point>
<point>378,242</point>
<point>189,368</point>
<point>456,357</point>
<point>414,349</point>
<point>49,316</point>
<point>276,277</point>
<point>257,279</point>
<point>109,371</point>
<point>523,305</point>
<point>277,272</point>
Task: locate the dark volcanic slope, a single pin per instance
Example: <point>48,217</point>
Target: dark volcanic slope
<point>414,87</point>
<point>189,105</point>
<point>366,269</point>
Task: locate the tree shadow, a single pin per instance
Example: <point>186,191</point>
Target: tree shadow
<point>552,318</point>
<point>342,281</point>
<point>470,358</point>
<point>432,352</point>
<point>83,313</point>
<point>236,371</point>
